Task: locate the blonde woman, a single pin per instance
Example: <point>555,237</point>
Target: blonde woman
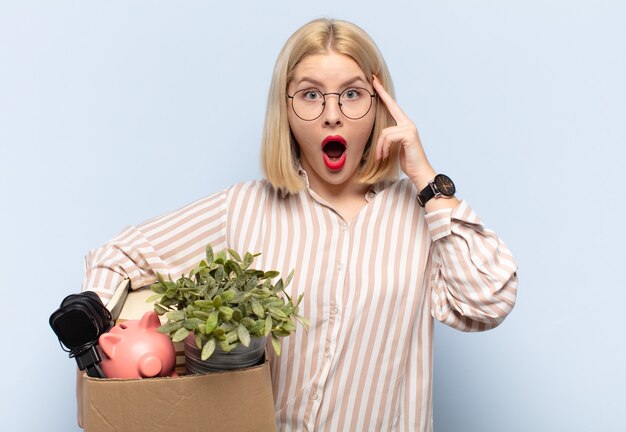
<point>378,257</point>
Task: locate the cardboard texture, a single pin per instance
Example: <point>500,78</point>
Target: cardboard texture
<point>223,401</point>
<point>239,400</point>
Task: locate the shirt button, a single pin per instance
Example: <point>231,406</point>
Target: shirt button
<point>344,228</point>
<point>327,353</point>
<point>334,310</point>
<point>315,396</point>
<point>339,267</point>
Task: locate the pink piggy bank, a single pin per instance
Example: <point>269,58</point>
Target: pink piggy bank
<point>134,349</point>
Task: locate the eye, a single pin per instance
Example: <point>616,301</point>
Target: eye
<point>352,93</point>
<point>311,95</point>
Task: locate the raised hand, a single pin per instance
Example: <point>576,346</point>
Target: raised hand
<point>413,159</point>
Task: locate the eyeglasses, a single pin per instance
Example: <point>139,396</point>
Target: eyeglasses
<point>354,103</point>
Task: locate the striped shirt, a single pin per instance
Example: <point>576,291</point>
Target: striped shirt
<point>372,288</point>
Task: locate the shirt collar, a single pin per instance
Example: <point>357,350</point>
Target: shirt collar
<point>369,195</point>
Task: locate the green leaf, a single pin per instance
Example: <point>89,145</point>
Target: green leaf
<point>193,323</point>
<point>153,298</point>
<point>235,267</point>
<point>244,335</point>
<point>277,311</point>
<point>198,340</point>
<point>289,278</point>
<point>224,345</point>
<point>235,255</point>
<point>177,315</point>
<point>267,284</point>
<point>208,349</point>
<point>228,296</point>
<point>171,292</point>
<point>211,322</point>
<point>232,336</point>
<point>158,288</point>
<point>170,327</point>
<point>276,345</point>
<point>280,332</point>
<point>209,256</point>
<point>160,310</point>
<point>271,274</point>
<point>252,283</point>
<point>204,304</point>
<point>248,322</point>
<point>217,302</point>
<point>180,334</point>
<point>305,322</point>
<point>221,255</point>
<point>288,326</point>
<point>237,315</point>
<point>226,313</point>
<point>279,286</point>
<point>219,274</point>
<point>201,314</point>
<point>219,332</point>
<point>300,299</point>
<point>241,297</point>
<point>257,308</point>
<point>227,326</point>
<point>268,325</point>
<point>248,259</point>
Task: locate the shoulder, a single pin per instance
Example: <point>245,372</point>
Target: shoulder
<point>250,188</point>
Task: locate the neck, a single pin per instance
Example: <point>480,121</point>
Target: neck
<point>333,193</point>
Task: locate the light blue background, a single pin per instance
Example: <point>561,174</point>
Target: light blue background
<point>114,112</point>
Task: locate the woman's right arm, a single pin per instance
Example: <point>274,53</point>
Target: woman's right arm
<point>171,245</point>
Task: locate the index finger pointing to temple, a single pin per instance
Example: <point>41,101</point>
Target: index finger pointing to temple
<point>394,109</point>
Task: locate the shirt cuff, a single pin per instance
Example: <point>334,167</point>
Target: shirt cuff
<point>440,221</point>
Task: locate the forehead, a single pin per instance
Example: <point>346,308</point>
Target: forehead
<point>328,69</point>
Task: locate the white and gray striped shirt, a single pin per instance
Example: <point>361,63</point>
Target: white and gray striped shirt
<point>372,288</point>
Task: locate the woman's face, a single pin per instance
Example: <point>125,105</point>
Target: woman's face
<point>332,145</point>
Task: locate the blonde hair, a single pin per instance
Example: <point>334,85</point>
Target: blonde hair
<point>279,151</point>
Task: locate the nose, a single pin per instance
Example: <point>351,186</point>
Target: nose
<point>332,113</point>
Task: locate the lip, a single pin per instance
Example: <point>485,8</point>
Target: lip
<point>337,138</point>
<point>339,163</point>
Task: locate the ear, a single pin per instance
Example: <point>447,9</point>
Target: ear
<point>107,343</point>
<point>149,320</point>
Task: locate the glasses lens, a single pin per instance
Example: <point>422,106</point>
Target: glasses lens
<point>355,102</point>
<point>308,104</point>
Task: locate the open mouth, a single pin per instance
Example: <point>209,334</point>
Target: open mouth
<point>334,149</point>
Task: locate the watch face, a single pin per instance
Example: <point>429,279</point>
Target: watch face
<point>444,185</point>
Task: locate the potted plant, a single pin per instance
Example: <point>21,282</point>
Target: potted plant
<point>224,310</point>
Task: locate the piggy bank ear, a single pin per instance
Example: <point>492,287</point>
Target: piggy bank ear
<point>149,320</point>
<point>107,342</point>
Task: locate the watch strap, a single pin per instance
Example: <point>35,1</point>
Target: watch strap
<point>426,194</point>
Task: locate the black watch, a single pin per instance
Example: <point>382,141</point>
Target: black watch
<point>440,186</point>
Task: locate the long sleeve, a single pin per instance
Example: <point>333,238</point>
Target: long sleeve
<point>170,244</point>
<point>473,278</point>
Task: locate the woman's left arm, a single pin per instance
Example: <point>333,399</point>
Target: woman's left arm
<point>473,276</point>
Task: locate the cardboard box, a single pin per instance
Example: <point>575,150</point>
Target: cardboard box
<point>223,401</point>
<point>238,400</point>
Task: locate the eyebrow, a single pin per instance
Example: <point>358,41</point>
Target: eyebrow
<point>319,83</point>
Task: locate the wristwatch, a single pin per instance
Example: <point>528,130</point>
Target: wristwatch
<point>440,186</point>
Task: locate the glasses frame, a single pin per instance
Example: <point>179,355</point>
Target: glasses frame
<point>372,96</point>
